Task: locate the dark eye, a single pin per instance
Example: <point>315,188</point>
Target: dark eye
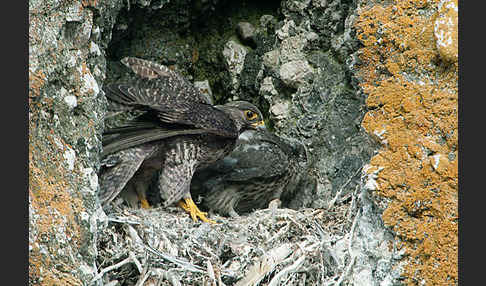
<point>250,115</point>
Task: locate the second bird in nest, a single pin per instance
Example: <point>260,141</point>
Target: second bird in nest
<point>263,170</point>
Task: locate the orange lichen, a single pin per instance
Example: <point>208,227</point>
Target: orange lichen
<point>54,207</point>
<point>36,82</point>
<point>412,97</point>
<point>89,3</point>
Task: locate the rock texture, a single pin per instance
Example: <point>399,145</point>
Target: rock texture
<point>66,108</point>
<point>369,88</point>
<point>409,71</point>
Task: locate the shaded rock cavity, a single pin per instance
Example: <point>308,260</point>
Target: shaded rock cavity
<point>295,60</point>
<point>188,36</point>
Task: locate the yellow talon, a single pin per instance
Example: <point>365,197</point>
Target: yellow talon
<point>189,206</point>
<point>141,195</point>
<point>144,203</point>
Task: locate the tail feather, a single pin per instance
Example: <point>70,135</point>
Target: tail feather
<point>147,69</point>
<point>122,93</point>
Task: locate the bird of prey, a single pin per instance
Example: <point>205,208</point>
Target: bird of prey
<point>177,132</point>
<point>263,168</point>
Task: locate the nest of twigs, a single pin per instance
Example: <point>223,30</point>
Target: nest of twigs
<point>163,246</point>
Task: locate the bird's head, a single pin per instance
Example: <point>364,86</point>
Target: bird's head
<point>246,115</point>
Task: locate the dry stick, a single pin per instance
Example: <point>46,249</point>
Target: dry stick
<point>142,279</point>
<point>184,264</point>
<point>144,275</point>
<point>331,203</point>
<point>279,234</point>
<point>292,219</point>
<point>135,261</point>
<point>159,281</point>
<point>133,235</point>
<point>169,277</point>
<point>346,272</point>
<point>319,229</point>
<point>109,268</point>
<point>265,265</point>
<point>112,283</point>
<point>322,266</point>
<point>286,282</point>
<point>210,271</point>
<point>122,220</point>
<point>353,257</point>
<point>330,281</point>
<point>290,269</point>
<point>349,211</point>
<point>202,246</point>
<point>220,282</point>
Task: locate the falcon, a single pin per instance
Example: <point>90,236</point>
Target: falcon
<point>262,169</point>
<point>177,132</point>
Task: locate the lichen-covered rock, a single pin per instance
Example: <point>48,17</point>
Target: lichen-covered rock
<point>446,30</point>
<point>234,55</point>
<point>246,31</point>
<point>331,74</point>
<point>295,73</point>
<point>407,68</point>
<point>66,109</point>
<point>292,49</point>
<point>205,90</point>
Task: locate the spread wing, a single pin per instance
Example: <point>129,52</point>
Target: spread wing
<point>167,84</point>
<point>170,106</point>
<point>190,113</point>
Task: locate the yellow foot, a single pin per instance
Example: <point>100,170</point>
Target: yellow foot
<point>189,206</point>
<point>144,203</point>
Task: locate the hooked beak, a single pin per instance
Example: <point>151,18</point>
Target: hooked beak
<point>258,125</point>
